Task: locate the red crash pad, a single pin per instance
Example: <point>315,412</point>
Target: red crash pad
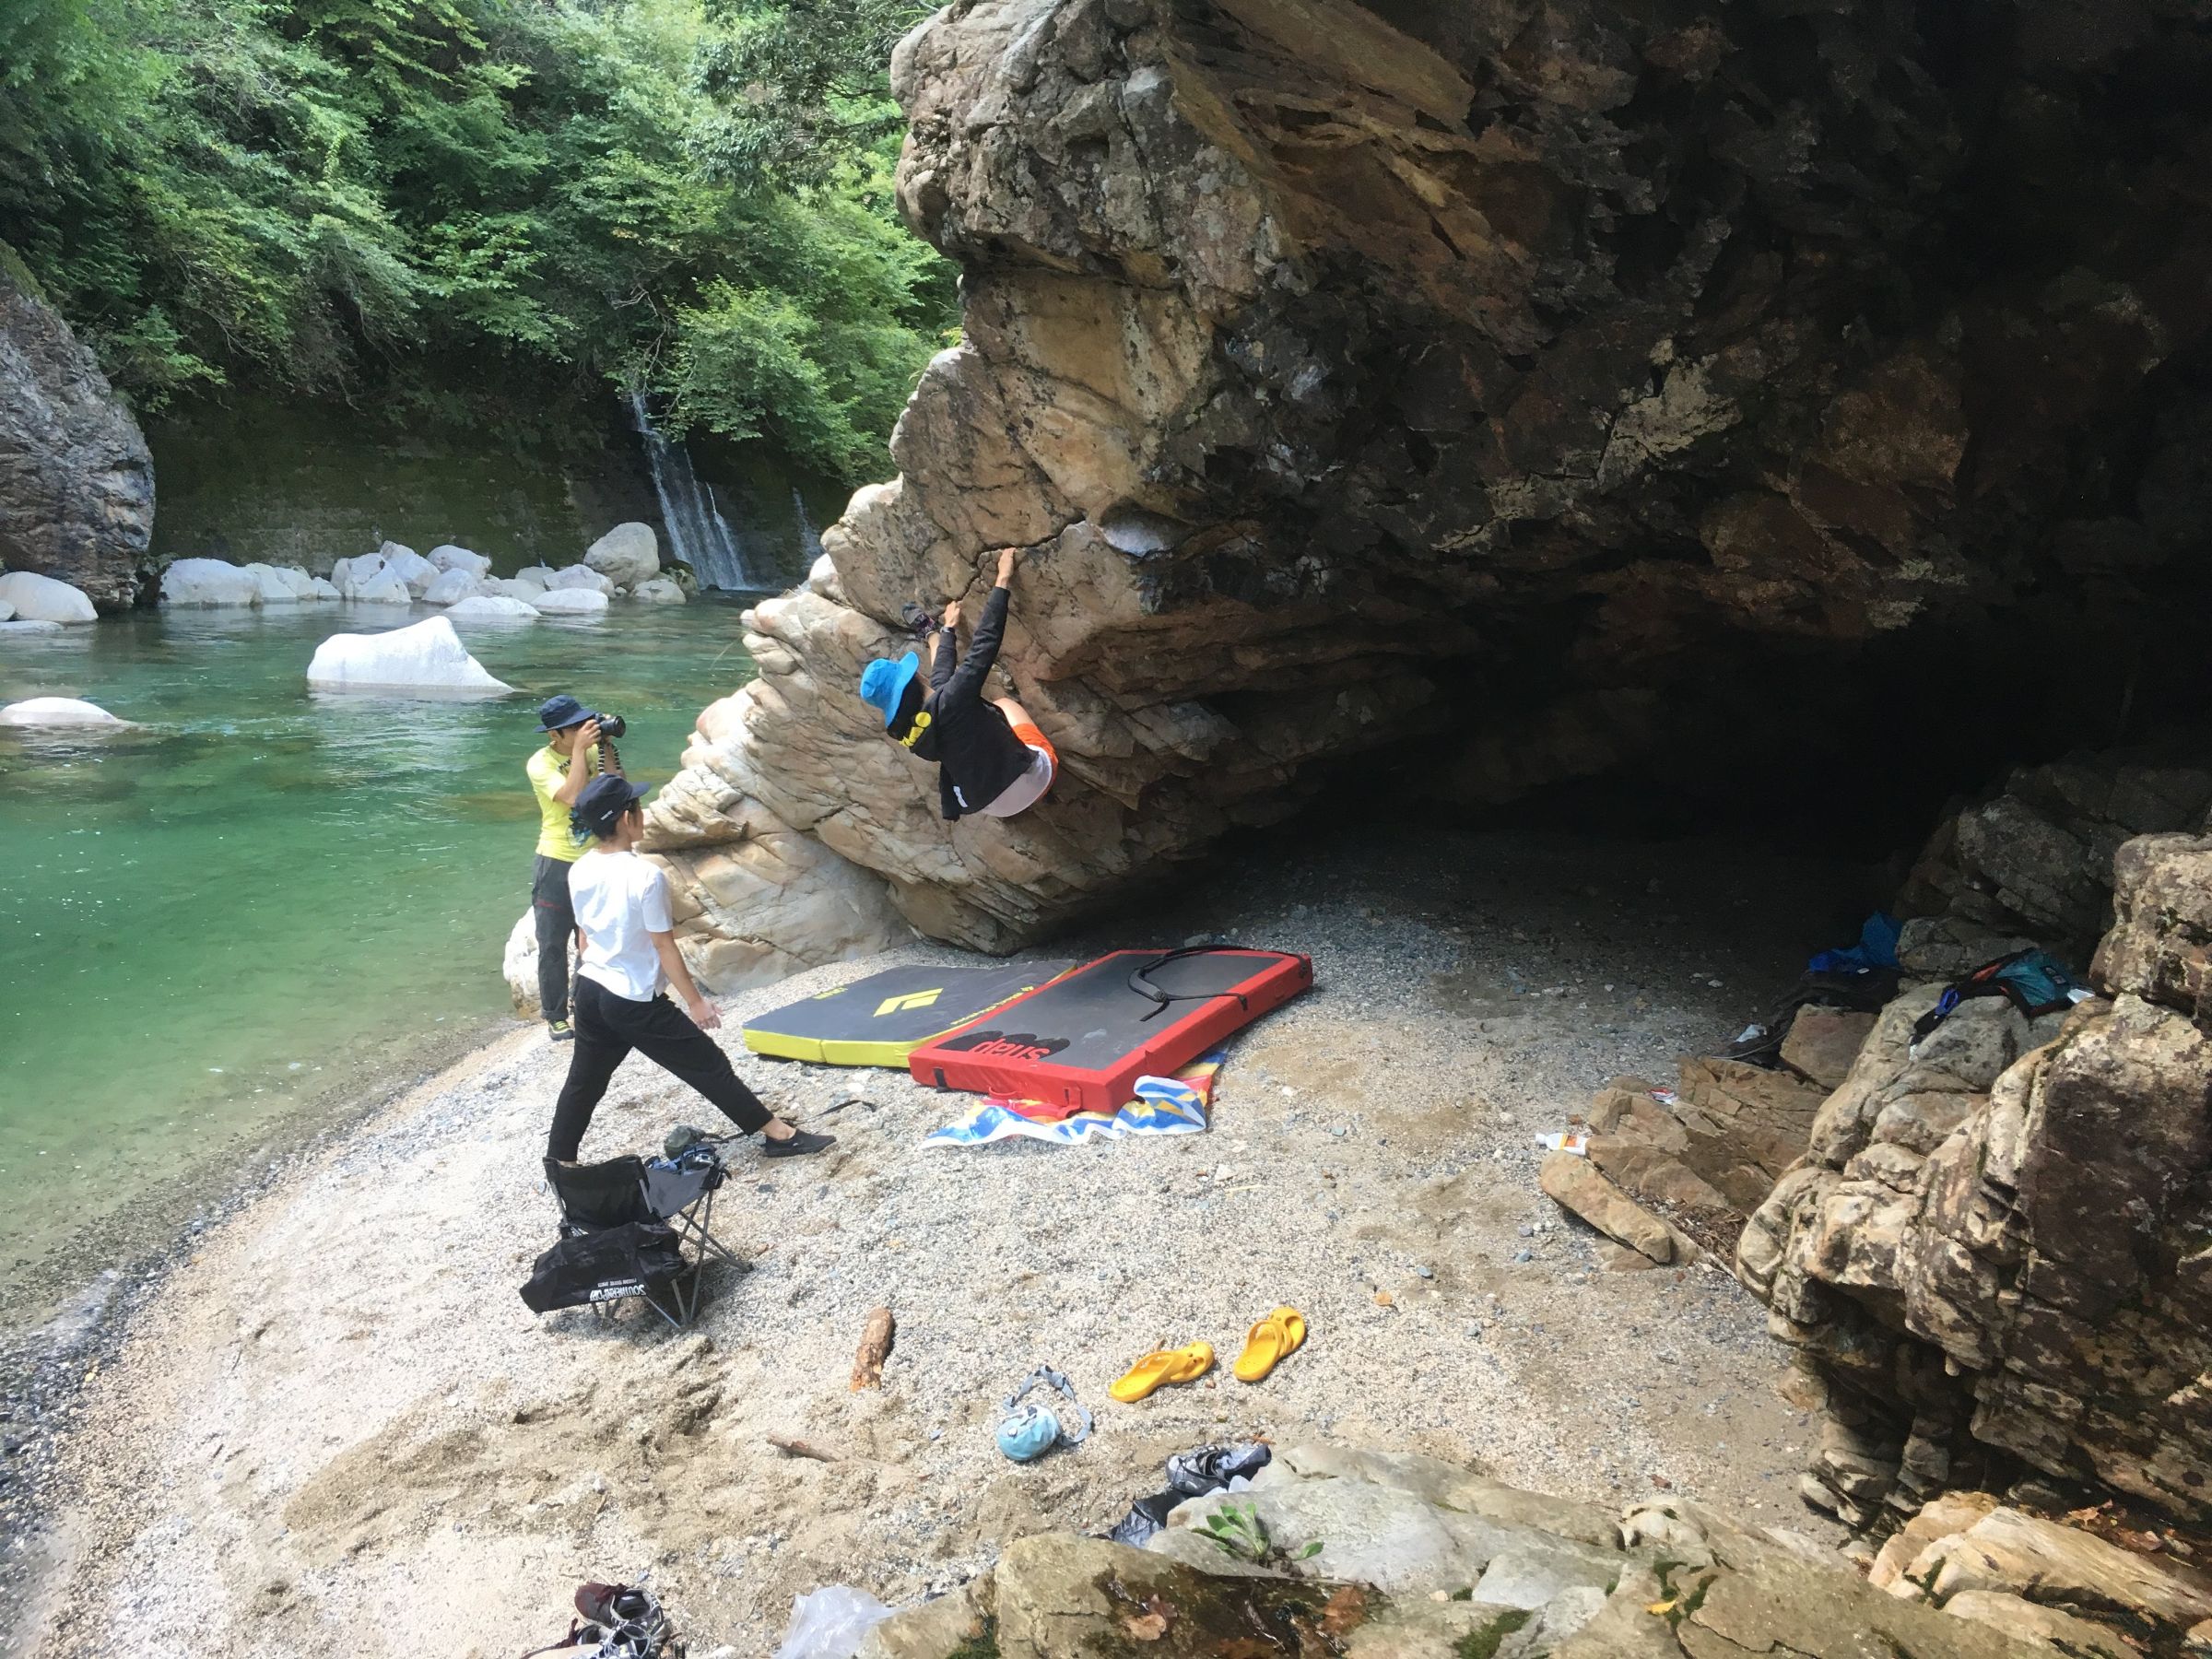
<point>1084,1040</point>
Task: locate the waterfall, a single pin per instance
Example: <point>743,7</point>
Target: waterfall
<point>808,539</point>
<point>698,533</point>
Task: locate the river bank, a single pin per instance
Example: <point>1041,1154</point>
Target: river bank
<point>334,1422</point>
<point>259,908</point>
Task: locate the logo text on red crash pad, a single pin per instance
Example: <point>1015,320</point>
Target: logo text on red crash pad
<point>1006,1045</point>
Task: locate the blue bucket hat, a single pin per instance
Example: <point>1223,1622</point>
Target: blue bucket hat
<point>603,801</point>
<point>558,713</point>
<point>883,684</point>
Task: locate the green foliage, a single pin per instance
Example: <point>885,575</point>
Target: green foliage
<point>342,197</point>
<point>1240,1532</point>
<point>1484,1643</point>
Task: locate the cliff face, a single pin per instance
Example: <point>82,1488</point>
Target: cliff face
<point>1517,386</point>
<point>77,484</point>
<point>1996,1253</point>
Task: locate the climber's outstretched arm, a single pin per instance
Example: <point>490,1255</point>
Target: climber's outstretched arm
<point>990,630</point>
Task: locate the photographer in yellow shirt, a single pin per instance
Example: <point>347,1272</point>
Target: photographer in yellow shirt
<point>557,779</point>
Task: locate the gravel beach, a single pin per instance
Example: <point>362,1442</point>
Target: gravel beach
<point>333,1426</point>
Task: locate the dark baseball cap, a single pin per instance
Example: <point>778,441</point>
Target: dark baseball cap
<point>603,801</point>
<point>558,713</point>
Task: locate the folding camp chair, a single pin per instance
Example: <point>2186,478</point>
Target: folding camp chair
<point>626,1226</point>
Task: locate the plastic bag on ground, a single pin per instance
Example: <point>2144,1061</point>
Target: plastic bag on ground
<point>830,1623</point>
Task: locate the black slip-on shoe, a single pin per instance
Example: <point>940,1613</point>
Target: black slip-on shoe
<point>804,1143</point>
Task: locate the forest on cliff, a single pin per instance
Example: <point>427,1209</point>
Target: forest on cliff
<point>429,204</point>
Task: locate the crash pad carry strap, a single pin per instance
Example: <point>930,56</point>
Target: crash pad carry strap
<point>1140,979</point>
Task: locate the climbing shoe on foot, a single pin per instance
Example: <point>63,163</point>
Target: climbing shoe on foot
<point>804,1143</point>
<point>560,1030</point>
<point>919,622</point>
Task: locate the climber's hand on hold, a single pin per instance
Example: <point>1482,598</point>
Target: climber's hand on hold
<point>1007,558</point>
<point>951,615</point>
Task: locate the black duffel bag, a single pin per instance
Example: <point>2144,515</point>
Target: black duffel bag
<point>634,1259</point>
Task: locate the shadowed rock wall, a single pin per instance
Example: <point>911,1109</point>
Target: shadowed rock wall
<point>1515,385</point>
<point>77,484</point>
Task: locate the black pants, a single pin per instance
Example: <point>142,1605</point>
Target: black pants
<point>556,933</point>
<point>608,1027</point>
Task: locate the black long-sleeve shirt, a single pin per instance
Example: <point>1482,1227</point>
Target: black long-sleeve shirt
<point>976,751</point>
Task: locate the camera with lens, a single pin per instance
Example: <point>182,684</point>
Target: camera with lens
<point>610,725</point>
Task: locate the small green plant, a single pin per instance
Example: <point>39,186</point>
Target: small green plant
<point>977,1647</point>
<point>1484,1643</point>
<point>1238,1531</point>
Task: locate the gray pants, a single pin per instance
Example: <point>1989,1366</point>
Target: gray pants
<point>556,933</point>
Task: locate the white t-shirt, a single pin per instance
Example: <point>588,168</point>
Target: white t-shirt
<point>620,901</point>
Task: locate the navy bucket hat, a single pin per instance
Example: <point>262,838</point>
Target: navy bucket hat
<point>603,801</point>
<point>884,682</point>
<point>558,713</point>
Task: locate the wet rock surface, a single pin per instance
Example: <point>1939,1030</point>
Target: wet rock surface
<point>76,480</point>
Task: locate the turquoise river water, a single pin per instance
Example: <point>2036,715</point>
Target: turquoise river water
<point>265,903</point>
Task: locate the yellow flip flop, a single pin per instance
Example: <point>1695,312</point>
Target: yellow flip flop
<point>1270,1343</point>
<point>1162,1366</point>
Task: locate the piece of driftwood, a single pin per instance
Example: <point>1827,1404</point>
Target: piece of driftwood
<point>875,1348</point>
<point>799,1448</point>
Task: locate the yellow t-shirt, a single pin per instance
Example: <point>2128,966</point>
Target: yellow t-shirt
<point>548,772</point>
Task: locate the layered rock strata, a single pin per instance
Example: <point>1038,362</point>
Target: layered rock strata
<point>2036,859</point>
<point>1516,392</point>
<point>77,481</point>
<point>1997,1252</point>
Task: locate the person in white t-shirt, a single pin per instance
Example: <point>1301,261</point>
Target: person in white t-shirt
<point>621,905</point>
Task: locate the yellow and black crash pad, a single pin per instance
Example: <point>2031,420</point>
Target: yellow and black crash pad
<point>883,1019</point>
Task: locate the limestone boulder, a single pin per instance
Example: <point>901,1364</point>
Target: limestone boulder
<point>1994,1254</point>
<point>580,577</point>
<point>410,566</point>
<point>277,586</point>
<point>492,608</point>
<point>56,711</point>
<point>355,577</point>
<point>384,589</point>
<point>2160,945</point>
<point>426,658</point>
<point>77,481</point>
<point>37,598</point>
<point>570,602</point>
<point>658,590</point>
<point>213,582</point>
<point>447,557</point>
<point>1574,1183</point>
<point>512,587</point>
<point>450,587</point>
<point>535,576</point>
<point>626,555</point>
<point>1821,1044</point>
<point>19,628</point>
<point>2030,1624</point>
<point>2009,1553</point>
<point>518,966</point>
<point>2037,860</point>
<point>7,611</point>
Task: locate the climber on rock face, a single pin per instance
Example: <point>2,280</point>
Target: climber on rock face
<point>991,757</point>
